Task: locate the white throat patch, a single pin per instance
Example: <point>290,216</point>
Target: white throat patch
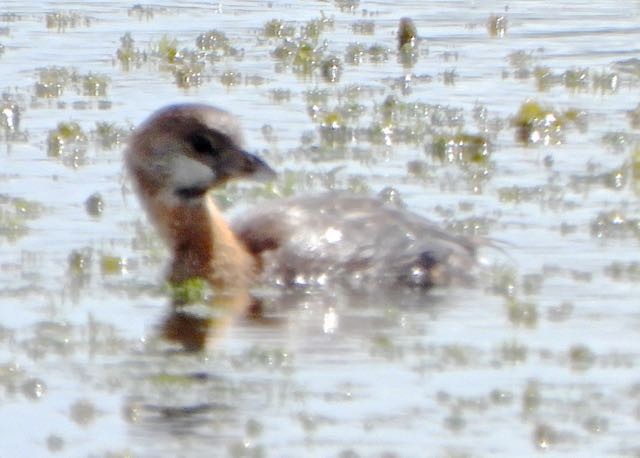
<point>188,173</point>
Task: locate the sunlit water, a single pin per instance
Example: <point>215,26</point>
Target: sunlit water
<point>542,357</point>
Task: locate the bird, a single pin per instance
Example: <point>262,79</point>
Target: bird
<point>182,151</point>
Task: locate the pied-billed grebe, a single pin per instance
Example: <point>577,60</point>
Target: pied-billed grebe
<point>183,151</point>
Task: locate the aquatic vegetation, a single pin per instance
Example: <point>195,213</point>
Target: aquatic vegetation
<point>316,27</point>
<point>522,313</point>
<point>231,78</point>
<point>190,291</point>
<point>635,168</point>
<point>497,26</point>
<point>303,53</point>
<point>581,357</point>
<point>94,85</point>
<point>623,271</point>
<point>630,67</point>
<point>69,142</point>
<point>188,73</point>
<point>576,79</point>
<point>276,28</point>
<point>614,224</point>
<point>357,53</point>
<point>112,265</point>
<point>10,115</point>
<point>280,95</point>
<point>15,214</point>
<point>545,436</point>
<point>461,148</point>
<point>54,80</point>
<point>531,397</point>
<point>274,358</point>
<point>514,352</point>
<point>331,69</point>
<point>94,205</point>
<point>471,226</point>
<point>216,45</point>
<point>549,195</point>
<point>521,60</point>
<point>141,11</point>
<point>363,27</point>
<point>392,197</point>
<point>79,265</point>
<point>378,53</point>
<point>108,135</point>
<point>407,43</point>
<point>83,412</point>
<point>634,117</point>
<point>417,168</point>
<point>66,20</point>
<point>606,82</point>
<point>407,34</point>
<point>347,5</point>
<point>167,49</point>
<point>536,123</point>
<point>128,55</point>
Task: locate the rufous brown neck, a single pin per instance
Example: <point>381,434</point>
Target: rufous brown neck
<point>202,243</point>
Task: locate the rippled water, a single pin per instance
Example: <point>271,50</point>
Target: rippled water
<point>541,356</point>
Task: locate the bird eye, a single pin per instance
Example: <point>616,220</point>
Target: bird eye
<point>201,143</point>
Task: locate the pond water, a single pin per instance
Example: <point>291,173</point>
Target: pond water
<point>518,123</point>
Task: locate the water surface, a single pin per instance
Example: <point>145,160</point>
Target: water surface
<point>540,356</point>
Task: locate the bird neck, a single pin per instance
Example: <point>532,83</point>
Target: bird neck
<point>203,244</point>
